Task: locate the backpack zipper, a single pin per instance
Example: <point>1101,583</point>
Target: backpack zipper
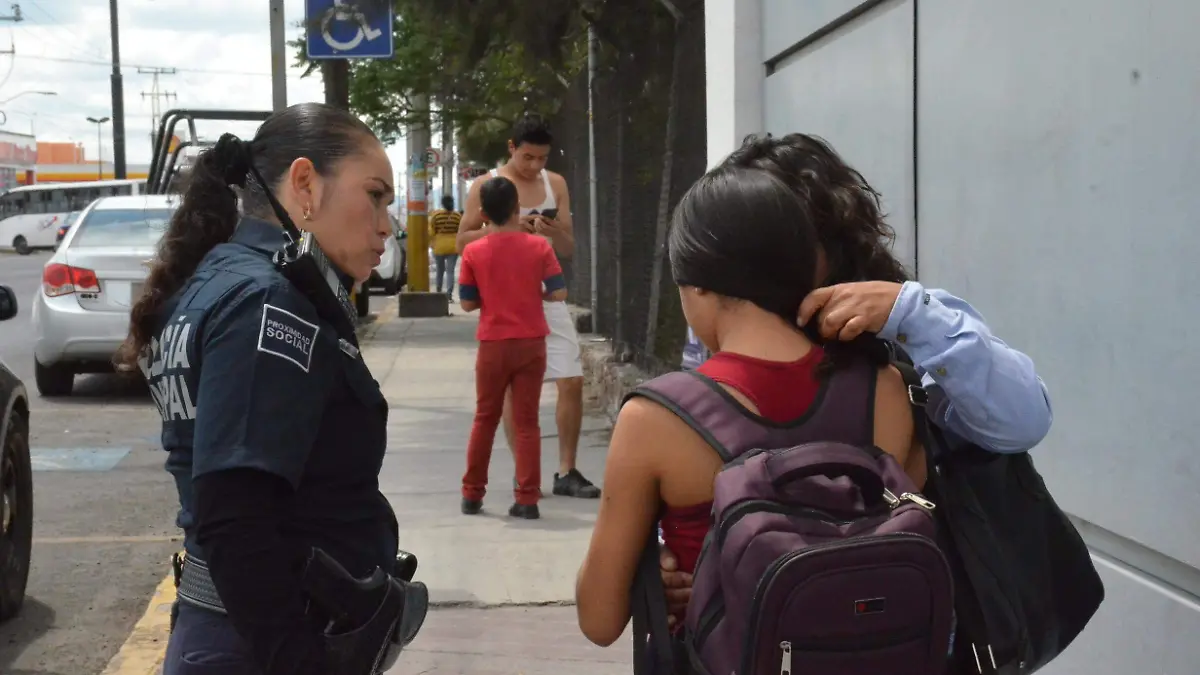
<point>772,571</point>
<point>738,511</point>
<point>894,501</point>
<point>785,662</point>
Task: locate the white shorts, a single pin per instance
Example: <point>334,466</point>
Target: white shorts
<point>562,344</point>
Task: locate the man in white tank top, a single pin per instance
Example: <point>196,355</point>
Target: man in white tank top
<point>545,210</point>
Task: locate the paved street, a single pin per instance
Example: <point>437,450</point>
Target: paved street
<point>104,517</point>
<point>102,508</point>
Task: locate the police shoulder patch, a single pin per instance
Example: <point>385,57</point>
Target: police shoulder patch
<point>287,336</point>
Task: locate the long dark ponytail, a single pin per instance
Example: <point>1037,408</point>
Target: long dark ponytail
<point>208,212</point>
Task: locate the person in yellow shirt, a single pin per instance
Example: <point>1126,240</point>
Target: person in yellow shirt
<point>443,229</point>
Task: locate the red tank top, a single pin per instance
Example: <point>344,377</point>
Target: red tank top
<point>781,391</point>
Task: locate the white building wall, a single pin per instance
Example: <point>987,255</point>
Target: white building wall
<point>1038,158</point>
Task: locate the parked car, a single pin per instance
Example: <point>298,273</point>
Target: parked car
<point>68,221</point>
<point>81,312</point>
<point>16,481</point>
<point>390,275</point>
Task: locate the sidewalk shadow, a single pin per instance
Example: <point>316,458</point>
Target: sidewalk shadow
<point>34,621</point>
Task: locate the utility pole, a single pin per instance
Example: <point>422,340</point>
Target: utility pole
<point>278,58</point>
<point>118,97</point>
<point>155,94</point>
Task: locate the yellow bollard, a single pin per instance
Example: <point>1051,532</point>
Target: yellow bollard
<point>418,231</point>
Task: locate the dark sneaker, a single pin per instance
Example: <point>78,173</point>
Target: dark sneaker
<point>526,511</point>
<point>471,506</point>
<point>517,486</point>
<point>573,484</point>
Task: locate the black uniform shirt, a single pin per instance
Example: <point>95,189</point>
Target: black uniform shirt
<point>247,376</point>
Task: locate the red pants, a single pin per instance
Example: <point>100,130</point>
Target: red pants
<point>501,364</point>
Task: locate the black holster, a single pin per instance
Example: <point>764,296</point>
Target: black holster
<point>370,619</point>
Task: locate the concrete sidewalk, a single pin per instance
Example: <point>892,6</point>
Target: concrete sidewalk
<point>489,575</point>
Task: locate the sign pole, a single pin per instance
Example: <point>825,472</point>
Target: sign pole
<point>278,58</point>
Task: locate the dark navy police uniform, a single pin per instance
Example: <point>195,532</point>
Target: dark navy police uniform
<point>276,433</point>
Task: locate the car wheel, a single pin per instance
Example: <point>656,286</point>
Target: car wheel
<point>21,245</point>
<point>53,380</point>
<point>362,303</point>
<point>16,516</point>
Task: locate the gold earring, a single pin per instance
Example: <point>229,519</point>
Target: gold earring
<point>307,212</point>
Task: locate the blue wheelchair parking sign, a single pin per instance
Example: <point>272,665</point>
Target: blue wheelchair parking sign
<point>340,29</point>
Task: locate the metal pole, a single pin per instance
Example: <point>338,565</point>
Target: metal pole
<point>278,57</point>
<point>418,189</point>
<point>118,97</point>
<point>99,152</point>
<point>448,158</point>
<point>593,207</point>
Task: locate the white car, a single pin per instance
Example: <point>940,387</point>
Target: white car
<point>81,312</point>
<point>390,275</point>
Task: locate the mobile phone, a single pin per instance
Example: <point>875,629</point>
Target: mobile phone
<point>549,214</point>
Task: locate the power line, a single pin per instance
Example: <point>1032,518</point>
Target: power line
<point>89,62</point>
<point>79,43</point>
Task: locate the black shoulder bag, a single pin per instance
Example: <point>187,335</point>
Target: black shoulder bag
<point>1025,585</point>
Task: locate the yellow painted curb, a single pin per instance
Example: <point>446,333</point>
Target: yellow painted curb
<point>146,647</point>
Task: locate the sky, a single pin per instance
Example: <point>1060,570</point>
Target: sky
<point>220,48</point>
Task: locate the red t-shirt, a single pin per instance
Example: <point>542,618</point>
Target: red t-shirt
<point>506,272</point>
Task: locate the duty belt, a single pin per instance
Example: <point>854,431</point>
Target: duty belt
<point>195,584</point>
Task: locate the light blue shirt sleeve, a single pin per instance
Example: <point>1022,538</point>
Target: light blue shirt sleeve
<point>981,389</point>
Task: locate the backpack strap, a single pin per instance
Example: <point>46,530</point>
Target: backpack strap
<point>843,411</point>
<point>689,395</point>
<point>932,438</point>
<point>653,648</point>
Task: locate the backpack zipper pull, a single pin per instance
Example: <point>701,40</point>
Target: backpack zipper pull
<point>785,666</point>
<point>892,500</point>
<point>919,501</point>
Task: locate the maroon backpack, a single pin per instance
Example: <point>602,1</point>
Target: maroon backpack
<point>821,557</point>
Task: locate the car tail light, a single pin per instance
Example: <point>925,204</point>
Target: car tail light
<point>59,279</point>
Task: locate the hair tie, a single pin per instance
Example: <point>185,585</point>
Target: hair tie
<point>232,157</point>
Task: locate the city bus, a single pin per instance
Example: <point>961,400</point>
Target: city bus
<point>30,214</point>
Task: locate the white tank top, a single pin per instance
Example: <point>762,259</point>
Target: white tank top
<point>548,203</point>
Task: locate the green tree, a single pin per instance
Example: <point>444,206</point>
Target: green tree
<point>475,63</point>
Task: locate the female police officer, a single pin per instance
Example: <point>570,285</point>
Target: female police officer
<point>275,428</point>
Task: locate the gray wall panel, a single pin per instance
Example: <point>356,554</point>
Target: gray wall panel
<point>1058,194</point>
<point>854,89</point>
<point>786,22</point>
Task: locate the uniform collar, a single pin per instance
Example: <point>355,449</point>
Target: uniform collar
<point>268,238</point>
<point>259,235</point>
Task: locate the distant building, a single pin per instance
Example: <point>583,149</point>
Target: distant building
<point>68,163</point>
<point>18,159</point>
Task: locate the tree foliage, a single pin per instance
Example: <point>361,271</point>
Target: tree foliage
<point>474,64</point>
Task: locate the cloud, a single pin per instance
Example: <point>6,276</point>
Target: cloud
<point>220,48</point>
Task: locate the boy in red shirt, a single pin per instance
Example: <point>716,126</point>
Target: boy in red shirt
<point>506,275</point>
